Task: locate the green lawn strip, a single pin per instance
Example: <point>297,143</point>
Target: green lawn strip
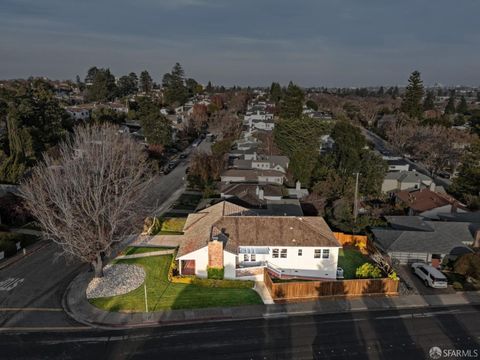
<point>131,250</point>
<point>349,260</point>
<point>164,295</point>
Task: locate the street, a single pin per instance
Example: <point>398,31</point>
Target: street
<point>31,289</point>
<point>367,335</point>
<point>383,146</point>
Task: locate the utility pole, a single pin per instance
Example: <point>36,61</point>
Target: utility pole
<point>355,204</point>
<point>145,290</point>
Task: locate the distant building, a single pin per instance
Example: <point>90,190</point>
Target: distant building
<point>403,180</point>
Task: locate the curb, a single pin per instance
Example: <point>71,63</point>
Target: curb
<point>32,249</point>
<point>255,312</point>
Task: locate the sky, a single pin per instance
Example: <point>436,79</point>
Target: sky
<point>246,42</point>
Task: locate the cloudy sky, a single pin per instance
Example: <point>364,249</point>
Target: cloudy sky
<point>246,42</point>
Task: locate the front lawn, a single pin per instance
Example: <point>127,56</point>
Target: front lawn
<point>349,259</point>
<point>187,202</point>
<point>164,295</point>
<point>131,250</point>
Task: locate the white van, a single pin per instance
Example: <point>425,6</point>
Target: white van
<point>430,276</point>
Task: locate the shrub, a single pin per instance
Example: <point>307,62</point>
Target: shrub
<point>8,247</point>
<point>393,275</point>
<point>468,265</point>
<point>457,286</point>
<point>368,271</point>
<point>215,273</point>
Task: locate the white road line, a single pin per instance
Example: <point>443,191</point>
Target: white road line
<point>10,283</point>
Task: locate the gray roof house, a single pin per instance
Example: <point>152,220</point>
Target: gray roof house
<point>263,162</point>
<point>411,239</point>
<point>403,180</point>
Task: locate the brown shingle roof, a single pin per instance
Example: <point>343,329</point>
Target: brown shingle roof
<point>424,199</point>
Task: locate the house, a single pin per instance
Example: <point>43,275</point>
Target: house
<point>248,154</point>
<point>252,175</point>
<point>412,239</point>
<point>402,180</point>
<point>263,199</point>
<point>297,192</point>
<point>326,143</point>
<point>264,162</point>
<point>397,164</point>
<point>428,204</point>
<point>228,236</point>
<point>78,113</point>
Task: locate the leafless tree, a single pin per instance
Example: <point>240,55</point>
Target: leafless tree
<point>91,197</point>
<point>225,124</point>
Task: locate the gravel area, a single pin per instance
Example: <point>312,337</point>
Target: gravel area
<point>117,280</point>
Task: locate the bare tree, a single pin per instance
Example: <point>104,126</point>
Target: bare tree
<point>90,197</point>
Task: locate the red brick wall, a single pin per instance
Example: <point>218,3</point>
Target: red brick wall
<point>215,254</point>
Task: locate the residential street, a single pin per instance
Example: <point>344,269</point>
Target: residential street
<point>382,146</point>
<point>31,289</point>
<point>372,335</point>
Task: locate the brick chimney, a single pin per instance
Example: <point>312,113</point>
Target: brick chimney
<point>215,254</point>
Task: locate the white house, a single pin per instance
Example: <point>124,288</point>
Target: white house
<point>264,162</point>
<point>253,175</point>
<point>78,113</point>
<point>227,236</point>
<point>402,180</point>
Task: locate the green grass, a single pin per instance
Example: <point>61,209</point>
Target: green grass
<point>131,250</point>
<point>349,260</point>
<point>164,295</point>
<point>173,225</point>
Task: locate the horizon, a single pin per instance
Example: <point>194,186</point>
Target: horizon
<point>313,44</point>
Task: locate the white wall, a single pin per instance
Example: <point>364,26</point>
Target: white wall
<point>389,185</point>
<point>229,263</point>
<point>304,265</point>
<point>201,261</point>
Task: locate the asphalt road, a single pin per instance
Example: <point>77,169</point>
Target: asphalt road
<point>382,146</point>
<point>366,335</point>
<point>33,288</point>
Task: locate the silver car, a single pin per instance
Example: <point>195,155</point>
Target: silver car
<point>431,277</point>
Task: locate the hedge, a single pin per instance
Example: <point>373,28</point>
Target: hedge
<point>215,273</point>
<point>212,283</point>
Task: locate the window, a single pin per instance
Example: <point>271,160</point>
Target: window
<point>275,253</point>
<point>326,253</point>
<point>253,257</point>
<point>299,252</point>
<point>317,253</point>
<point>245,257</point>
<point>283,254</point>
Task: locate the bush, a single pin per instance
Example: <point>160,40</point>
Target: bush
<point>8,247</point>
<point>215,273</point>
<point>457,286</point>
<point>8,241</point>
<point>468,265</point>
<point>368,271</point>
<point>393,275</point>
<point>232,284</point>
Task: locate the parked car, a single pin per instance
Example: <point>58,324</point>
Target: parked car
<point>444,174</point>
<point>431,277</point>
<point>183,156</point>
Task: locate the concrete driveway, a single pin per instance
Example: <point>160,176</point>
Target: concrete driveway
<point>420,286</point>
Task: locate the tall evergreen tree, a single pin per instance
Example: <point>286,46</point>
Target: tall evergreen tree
<point>292,103</point>
<point>103,87</point>
<point>174,89</point>
<point>91,75</point>
<point>146,82</point>
<point>126,85</point>
<point>462,107</point>
<point>467,184</point>
<point>275,92</point>
<point>156,127</point>
<point>412,101</point>
<point>450,107</point>
<point>429,102</point>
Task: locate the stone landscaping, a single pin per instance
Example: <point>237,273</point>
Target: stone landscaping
<point>118,279</point>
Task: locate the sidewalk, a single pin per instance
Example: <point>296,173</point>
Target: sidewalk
<point>29,250</point>
<point>77,306</point>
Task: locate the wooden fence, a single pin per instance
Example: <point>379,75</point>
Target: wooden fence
<point>316,289</point>
<point>359,241</point>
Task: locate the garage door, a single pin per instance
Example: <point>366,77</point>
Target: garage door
<point>408,258</point>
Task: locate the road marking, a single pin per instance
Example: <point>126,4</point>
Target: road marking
<point>10,283</point>
<point>31,309</point>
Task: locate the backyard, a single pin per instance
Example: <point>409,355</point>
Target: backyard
<point>349,259</point>
<point>165,295</point>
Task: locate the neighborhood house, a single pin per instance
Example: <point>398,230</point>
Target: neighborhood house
<point>233,238</point>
